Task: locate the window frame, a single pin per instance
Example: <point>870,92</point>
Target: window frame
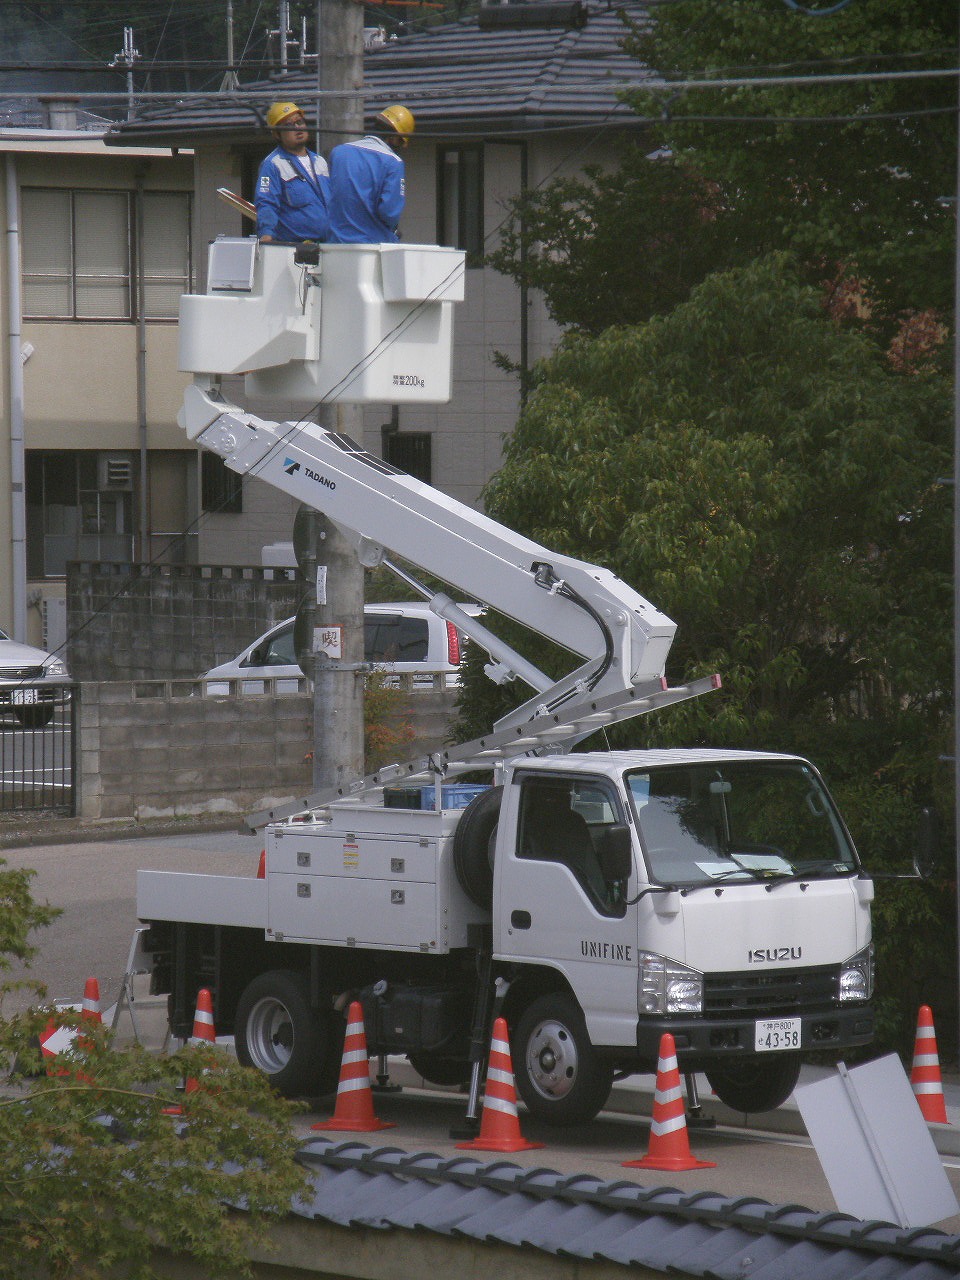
<point>468,234</point>
<point>129,280</point>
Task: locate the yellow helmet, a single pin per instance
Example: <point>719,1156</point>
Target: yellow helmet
<point>399,118</point>
<point>281,111</point>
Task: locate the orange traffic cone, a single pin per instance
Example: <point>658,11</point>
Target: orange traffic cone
<point>354,1110</point>
<point>499,1123</point>
<point>204,1032</point>
<point>669,1145</point>
<point>925,1072</point>
<point>90,1010</point>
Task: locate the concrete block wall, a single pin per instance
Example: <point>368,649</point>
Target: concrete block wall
<point>162,749</point>
<point>169,621</point>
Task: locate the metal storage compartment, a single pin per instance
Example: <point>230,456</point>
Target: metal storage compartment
<point>343,885</point>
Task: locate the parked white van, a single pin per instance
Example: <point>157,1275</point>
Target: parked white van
<point>398,637</point>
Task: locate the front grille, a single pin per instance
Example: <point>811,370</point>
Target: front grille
<point>21,673</point>
<point>772,992</point>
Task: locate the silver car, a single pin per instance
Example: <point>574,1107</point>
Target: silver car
<point>399,638</point>
<point>31,682</point>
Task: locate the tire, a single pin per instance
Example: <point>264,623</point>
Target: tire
<point>277,1032</point>
<point>473,847</point>
<point>560,1076</point>
<point>438,1070</point>
<point>34,717</point>
<point>757,1083</point>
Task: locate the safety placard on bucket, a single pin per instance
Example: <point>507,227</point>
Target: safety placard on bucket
<point>777,1033</point>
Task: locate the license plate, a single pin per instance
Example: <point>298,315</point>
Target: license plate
<point>20,697</point>
<point>777,1033</point>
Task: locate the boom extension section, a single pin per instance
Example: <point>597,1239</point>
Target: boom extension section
<point>586,609</point>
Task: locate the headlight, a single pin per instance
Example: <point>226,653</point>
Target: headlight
<point>668,987</point>
<point>55,668</point>
<point>856,977</point>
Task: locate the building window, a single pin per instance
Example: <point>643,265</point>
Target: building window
<point>221,490</point>
<point>410,452</point>
<point>79,507</point>
<point>81,256</point>
<point>460,200</point>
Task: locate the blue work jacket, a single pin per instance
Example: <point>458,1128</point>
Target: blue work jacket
<point>292,195</point>
<point>366,192</point>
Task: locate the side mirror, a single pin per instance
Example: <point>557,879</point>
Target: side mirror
<point>615,854</point>
<point>927,852</point>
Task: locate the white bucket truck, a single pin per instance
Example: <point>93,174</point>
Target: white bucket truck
<point>598,899</point>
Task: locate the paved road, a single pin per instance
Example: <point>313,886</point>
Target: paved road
<point>95,883</point>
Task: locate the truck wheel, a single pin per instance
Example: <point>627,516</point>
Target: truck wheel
<point>757,1083</point>
<point>559,1074</point>
<point>277,1032</point>
<point>473,846</point>
<point>437,1070</point>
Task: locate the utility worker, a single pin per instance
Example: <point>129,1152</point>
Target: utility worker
<point>293,182</point>
<point>367,182</point>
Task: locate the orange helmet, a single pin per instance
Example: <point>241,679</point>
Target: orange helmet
<point>281,111</point>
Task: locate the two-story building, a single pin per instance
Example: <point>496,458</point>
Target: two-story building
<point>111,230</point>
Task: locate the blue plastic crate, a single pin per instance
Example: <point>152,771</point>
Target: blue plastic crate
<point>454,795</point>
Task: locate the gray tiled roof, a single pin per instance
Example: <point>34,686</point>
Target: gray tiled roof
<point>456,78</point>
<point>580,1216</point>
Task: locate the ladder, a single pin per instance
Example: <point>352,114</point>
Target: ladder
<point>559,730</point>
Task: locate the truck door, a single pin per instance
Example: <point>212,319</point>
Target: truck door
<point>552,905</point>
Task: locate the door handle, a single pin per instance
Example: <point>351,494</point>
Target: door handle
<point>520,919</point>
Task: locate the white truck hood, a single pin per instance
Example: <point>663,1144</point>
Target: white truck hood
<point>753,927</point>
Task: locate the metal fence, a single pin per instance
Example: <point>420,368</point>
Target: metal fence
<point>38,750</point>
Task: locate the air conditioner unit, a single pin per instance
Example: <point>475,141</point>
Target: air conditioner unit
<point>115,471</point>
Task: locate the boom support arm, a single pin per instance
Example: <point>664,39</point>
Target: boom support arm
<point>586,609</point>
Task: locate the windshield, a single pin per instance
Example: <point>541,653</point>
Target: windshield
<point>736,820</point>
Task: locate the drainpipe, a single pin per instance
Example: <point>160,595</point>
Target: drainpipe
<point>142,376</point>
<point>18,509</point>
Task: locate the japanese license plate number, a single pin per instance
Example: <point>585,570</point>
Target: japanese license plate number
<point>777,1033</point>
<point>20,697</point>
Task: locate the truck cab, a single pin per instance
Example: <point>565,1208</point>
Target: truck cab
<point>742,926</point>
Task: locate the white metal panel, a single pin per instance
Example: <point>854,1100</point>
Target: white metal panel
<point>202,899</point>
<point>362,913</point>
<point>875,1148</point>
<point>354,856</point>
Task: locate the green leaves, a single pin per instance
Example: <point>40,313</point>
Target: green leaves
<point>94,1175</point>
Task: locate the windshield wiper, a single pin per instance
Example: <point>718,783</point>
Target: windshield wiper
<point>812,873</point>
<point>750,872</point>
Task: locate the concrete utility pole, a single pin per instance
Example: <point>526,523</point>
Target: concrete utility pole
<point>338,685</point>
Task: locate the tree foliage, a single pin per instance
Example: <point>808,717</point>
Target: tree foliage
<point>848,172</point>
<point>771,483</point>
<point>94,1175</point>
<point>849,175</point>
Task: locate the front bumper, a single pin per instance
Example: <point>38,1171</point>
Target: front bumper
<point>700,1040</point>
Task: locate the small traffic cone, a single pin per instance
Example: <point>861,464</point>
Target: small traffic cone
<point>90,1010</point>
<point>353,1112</point>
<point>262,865</point>
<point>925,1072</point>
<point>669,1145</point>
<point>204,1032</point>
<point>499,1123</point>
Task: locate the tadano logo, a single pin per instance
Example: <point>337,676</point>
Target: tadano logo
<point>290,467</point>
